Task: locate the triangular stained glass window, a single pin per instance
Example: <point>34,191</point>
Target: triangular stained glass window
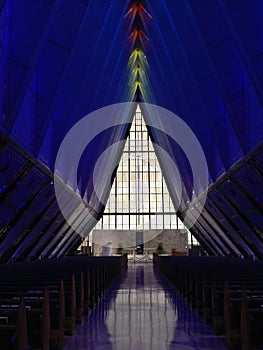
<point>139,198</point>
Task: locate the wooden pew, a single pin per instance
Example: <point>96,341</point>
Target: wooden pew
<point>215,287</point>
<point>21,328</point>
<point>27,280</point>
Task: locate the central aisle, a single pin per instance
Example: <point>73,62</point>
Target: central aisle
<point>143,312</point>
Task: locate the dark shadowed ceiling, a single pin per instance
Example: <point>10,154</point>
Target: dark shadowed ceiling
<point>61,60</point>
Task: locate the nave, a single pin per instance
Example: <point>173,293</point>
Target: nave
<point>126,120</point>
<point>143,311</point>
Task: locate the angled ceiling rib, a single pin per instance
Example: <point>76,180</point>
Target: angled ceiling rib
<point>252,74</point>
<point>13,110</point>
<point>61,82</point>
<point>204,64</point>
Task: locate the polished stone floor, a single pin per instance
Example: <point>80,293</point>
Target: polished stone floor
<point>143,312</point>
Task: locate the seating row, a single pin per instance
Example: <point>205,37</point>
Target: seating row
<point>227,292</point>
<point>42,301</point>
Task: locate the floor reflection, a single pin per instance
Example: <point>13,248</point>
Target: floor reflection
<point>143,312</point>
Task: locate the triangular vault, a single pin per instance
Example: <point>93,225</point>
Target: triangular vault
<point>139,199</point>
